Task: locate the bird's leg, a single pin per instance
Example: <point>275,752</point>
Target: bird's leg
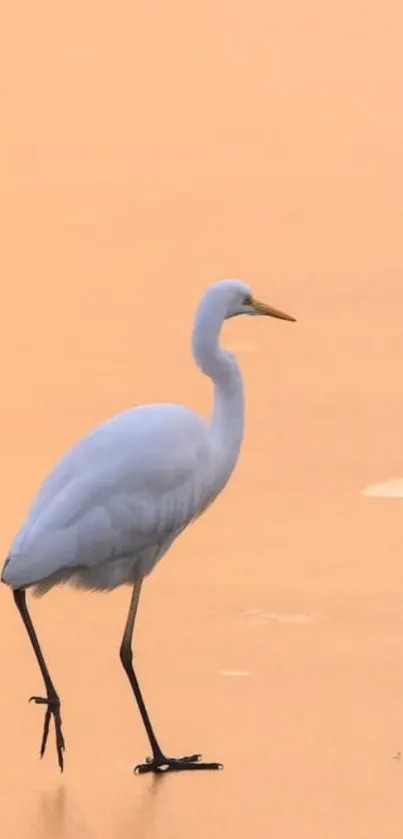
<point>158,763</point>
<point>51,700</point>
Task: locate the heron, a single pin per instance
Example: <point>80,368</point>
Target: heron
<point>115,503</point>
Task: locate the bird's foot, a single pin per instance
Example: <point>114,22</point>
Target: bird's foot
<point>159,764</point>
<point>52,710</point>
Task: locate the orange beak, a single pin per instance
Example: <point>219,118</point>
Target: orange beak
<point>264,309</point>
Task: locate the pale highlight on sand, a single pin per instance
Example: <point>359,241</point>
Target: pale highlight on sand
<point>386,489</point>
<point>235,673</point>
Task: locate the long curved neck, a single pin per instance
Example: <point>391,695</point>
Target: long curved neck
<point>227,420</point>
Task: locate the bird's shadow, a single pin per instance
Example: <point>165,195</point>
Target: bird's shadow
<point>56,816</point>
<point>52,812</point>
<point>152,811</point>
<point>148,814</point>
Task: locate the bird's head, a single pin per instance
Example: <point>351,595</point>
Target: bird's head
<point>236,298</point>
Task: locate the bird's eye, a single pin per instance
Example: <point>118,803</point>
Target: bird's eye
<point>247,301</point>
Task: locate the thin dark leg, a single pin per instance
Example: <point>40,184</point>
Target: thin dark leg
<point>126,657</point>
<point>51,700</point>
<point>158,762</point>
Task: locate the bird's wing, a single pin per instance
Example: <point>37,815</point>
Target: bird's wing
<point>132,482</point>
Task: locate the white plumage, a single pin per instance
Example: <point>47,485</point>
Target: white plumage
<point>118,499</point>
<point>115,503</point>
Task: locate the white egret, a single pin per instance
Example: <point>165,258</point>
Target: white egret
<point>116,502</point>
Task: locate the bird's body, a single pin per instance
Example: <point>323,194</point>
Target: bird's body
<point>117,501</point>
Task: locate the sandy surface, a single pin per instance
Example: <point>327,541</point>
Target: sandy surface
<point>146,150</point>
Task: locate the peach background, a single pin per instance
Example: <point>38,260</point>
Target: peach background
<point>146,150</point>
